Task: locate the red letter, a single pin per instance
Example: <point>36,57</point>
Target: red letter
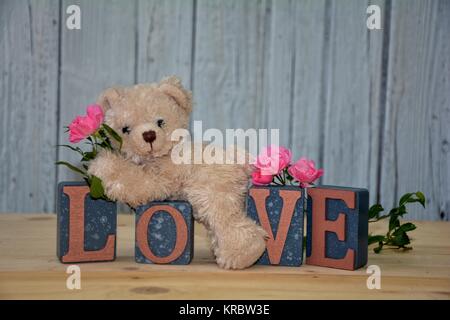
<point>142,228</point>
<point>76,252</point>
<point>275,245</point>
<point>320,225</point>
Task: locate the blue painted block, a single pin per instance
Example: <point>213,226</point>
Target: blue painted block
<point>86,228</point>
<point>337,227</point>
<point>279,210</point>
<point>164,233</point>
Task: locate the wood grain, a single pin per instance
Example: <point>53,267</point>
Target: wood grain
<point>308,98</point>
<point>228,62</point>
<point>350,120</point>
<point>28,104</point>
<point>29,269</point>
<point>417,131</point>
<point>165,40</point>
<point>278,68</point>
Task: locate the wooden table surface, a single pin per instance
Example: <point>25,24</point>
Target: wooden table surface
<point>29,269</point>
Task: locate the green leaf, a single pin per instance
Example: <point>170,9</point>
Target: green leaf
<point>413,197</point>
<point>401,240</point>
<point>393,222</point>
<point>89,156</point>
<point>375,239</point>
<point>421,198</point>
<point>113,134</point>
<point>106,143</point>
<point>104,135</point>
<point>394,211</point>
<point>71,167</point>
<point>96,187</point>
<point>375,210</point>
<point>102,132</point>
<point>401,211</point>
<point>404,228</point>
<point>378,249</point>
<point>405,198</point>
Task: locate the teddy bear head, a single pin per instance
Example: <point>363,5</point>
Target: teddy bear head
<point>146,115</point>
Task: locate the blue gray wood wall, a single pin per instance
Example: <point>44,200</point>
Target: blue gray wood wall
<point>371,107</point>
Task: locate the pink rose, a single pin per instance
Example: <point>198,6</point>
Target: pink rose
<point>259,179</point>
<point>83,126</point>
<point>305,172</point>
<point>273,159</point>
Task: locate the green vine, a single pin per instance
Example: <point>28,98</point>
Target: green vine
<point>397,235</point>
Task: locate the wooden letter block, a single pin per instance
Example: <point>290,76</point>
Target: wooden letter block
<point>337,227</point>
<point>164,233</point>
<point>279,210</point>
<point>86,228</point>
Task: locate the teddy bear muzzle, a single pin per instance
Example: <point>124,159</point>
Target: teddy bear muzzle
<point>149,136</point>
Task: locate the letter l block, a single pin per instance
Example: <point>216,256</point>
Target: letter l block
<point>86,227</point>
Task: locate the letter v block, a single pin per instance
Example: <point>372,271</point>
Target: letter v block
<point>279,210</point>
<point>164,233</point>
<point>337,227</point>
<point>86,228</point>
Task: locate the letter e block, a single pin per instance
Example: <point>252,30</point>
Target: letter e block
<point>164,233</point>
<point>337,227</point>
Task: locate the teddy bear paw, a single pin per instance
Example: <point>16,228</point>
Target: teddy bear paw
<point>115,190</point>
<point>99,167</point>
<point>244,254</point>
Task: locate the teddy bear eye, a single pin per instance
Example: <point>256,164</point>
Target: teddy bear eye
<point>160,123</point>
<point>126,129</point>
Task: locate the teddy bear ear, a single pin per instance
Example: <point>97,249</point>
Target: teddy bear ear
<point>108,97</point>
<point>172,87</point>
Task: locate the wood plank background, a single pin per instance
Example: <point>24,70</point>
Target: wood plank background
<point>371,107</point>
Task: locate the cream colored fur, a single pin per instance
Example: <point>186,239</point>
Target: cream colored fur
<point>144,172</point>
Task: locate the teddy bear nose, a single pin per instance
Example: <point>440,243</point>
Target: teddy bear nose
<point>149,136</point>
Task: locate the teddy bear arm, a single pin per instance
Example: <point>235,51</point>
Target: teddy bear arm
<point>106,166</point>
<point>127,182</point>
<point>116,175</point>
<point>135,187</point>
<point>138,188</point>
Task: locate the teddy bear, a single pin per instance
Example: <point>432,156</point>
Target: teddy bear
<point>146,115</point>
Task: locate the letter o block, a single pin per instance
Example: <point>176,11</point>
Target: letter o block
<point>164,233</point>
